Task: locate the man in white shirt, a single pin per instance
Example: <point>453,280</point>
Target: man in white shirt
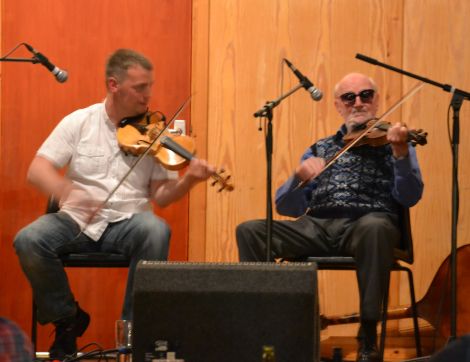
<point>86,143</point>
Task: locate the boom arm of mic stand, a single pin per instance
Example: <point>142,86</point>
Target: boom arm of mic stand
<point>262,112</point>
<point>27,60</point>
<point>445,87</point>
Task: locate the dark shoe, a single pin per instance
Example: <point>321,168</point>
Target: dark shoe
<point>66,332</point>
<point>367,338</point>
<point>368,353</point>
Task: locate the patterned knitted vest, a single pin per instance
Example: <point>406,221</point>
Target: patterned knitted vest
<point>360,181</point>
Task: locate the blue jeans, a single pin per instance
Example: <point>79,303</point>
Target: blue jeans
<point>39,245</point>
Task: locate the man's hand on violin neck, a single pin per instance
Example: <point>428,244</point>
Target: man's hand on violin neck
<point>309,168</point>
<point>199,170</point>
<point>397,135</point>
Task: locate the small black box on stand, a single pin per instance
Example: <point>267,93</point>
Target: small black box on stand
<point>226,311</point>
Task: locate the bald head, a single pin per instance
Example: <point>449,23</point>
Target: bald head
<point>353,78</point>
<point>352,103</point>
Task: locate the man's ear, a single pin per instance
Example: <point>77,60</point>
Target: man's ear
<point>338,105</point>
<point>112,84</point>
<point>376,102</point>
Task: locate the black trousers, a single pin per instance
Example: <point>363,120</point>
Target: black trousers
<point>370,239</point>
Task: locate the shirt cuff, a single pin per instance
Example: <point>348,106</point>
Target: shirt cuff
<point>403,164</point>
<point>401,157</point>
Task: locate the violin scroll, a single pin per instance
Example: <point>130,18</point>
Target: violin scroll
<point>222,181</point>
<point>417,137</point>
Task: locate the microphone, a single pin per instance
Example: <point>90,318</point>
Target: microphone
<point>59,74</point>
<point>315,93</point>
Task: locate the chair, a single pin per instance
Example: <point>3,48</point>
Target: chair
<point>78,260</point>
<point>404,253</point>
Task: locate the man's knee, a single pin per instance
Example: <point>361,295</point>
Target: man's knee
<point>43,236</point>
<point>28,248</point>
<point>376,221</point>
<point>246,230</point>
<point>374,238</point>
<point>24,241</point>
<point>152,236</point>
<point>250,240</point>
<point>377,226</point>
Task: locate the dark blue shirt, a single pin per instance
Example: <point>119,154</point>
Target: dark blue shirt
<point>406,190</point>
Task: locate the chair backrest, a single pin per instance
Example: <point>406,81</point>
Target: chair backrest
<point>404,251</point>
<point>52,205</point>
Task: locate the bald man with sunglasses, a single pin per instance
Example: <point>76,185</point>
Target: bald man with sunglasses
<point>350,209</point>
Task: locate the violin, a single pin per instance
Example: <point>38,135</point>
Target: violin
<point>173,150</point>
<point>135,135</point>
<point>372,127</point>
<point>377,135</point>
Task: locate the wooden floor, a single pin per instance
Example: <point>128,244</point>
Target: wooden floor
<point>398,348</point>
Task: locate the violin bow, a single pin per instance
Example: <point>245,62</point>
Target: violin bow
<point>392,109</point>
<point>139,159</point>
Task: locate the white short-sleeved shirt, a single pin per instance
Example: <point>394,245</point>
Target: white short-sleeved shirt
<point>86,142</point>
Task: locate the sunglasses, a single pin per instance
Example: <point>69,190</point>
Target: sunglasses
<point>350,98</point>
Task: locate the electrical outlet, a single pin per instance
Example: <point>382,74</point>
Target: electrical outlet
<point>180,124</point>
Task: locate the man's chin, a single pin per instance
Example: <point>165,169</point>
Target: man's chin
<point>359,119</point>
<point>142,109</point>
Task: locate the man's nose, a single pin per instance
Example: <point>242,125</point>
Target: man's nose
<point>147,93</point>
<point>358,101</point>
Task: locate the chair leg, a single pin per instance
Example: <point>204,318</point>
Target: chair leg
<point>34,328</point>
<point>414,309</point>
<point>383,331</point>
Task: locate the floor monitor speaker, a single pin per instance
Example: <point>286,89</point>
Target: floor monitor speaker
<point>226,312</point>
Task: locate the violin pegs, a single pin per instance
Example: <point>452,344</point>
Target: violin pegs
<point>214,183</point>
<point>221,170</point>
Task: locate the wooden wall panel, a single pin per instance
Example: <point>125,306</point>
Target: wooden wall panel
<point>199,89</point>
<point>245,53</point>
<point>246,43</point>
<point>78,36</point>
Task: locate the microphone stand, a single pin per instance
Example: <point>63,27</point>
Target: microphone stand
<point>267,112</point>
<point>28,60</point>
<point>458,96</point>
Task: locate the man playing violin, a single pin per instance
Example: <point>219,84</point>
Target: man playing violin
<point>351,208</point>
<point>85,142</point>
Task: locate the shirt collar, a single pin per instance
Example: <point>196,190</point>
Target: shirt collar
<point>342,131</point>
<point>105,116</point>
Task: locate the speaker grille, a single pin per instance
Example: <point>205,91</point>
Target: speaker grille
<point>226,311</point>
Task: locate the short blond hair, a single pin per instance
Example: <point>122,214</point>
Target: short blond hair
<point>122,59</point>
